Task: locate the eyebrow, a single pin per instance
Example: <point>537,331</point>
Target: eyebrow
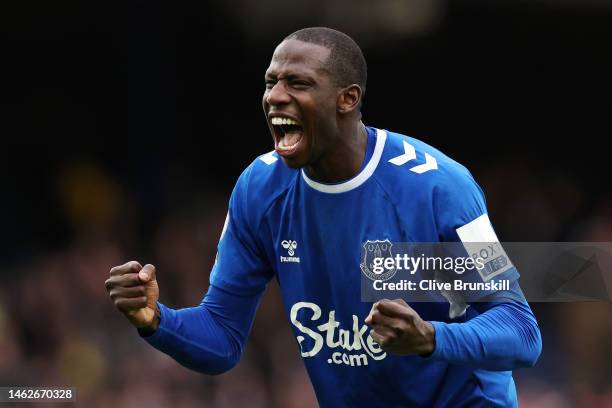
<point>289,76</point>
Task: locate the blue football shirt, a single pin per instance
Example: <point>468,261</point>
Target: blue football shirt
<point>309,235</point>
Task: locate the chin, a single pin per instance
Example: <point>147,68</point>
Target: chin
<point>299,159</point>
<point>293,162</point>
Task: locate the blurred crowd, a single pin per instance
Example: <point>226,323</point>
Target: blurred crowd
<point>58,326</point>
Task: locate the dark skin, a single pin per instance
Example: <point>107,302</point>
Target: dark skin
<point>399,329</point>
<point>298,85</point>
<point>134,291</point>
<point>327,138</point>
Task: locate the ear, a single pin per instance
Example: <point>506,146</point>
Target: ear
<point>349,99</point>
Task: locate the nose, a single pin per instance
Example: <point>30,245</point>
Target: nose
<point>278,94</point>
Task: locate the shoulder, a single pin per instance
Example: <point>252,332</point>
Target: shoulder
<point>264,180</point>
<point>411,164</point>
<point>422,180</point>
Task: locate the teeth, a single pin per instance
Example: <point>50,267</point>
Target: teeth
<point>281,146</point>
<point>283,121</point>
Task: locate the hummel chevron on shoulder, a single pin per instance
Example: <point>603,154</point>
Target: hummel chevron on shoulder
<point>410,154</point>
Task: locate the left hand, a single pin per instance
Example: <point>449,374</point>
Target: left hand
<point>399,329</point>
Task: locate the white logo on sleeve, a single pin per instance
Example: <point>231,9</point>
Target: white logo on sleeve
<point>290,246</point>
<point>409,155</point>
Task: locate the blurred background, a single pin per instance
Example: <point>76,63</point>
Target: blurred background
<point>125,125</point>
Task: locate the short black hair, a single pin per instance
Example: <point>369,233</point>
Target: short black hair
<point>345,63</point>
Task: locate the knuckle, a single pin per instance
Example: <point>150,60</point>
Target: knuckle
<point>397,329</point>
<point>108,284</point>
<point>116,270</point>
<point>401,302</point>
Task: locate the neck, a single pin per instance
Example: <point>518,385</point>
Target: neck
<point>344,159</point>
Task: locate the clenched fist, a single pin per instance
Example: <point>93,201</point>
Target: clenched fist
<point>399,329</point>
<point>134,291</point>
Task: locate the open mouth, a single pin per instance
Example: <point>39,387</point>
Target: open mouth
<point>288,134</point>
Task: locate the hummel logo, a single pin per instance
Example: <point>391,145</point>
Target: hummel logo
<point>290,246</point>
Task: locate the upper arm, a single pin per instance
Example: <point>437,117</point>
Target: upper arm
<point>241,266</point>
<point>462,216</point>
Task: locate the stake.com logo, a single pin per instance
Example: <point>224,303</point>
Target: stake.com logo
<point>349,341</point>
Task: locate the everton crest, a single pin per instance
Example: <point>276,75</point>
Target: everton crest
<point>373,256</point>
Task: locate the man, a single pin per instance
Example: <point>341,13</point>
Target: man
<point>302,213</point>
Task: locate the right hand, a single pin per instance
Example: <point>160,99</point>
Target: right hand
<point>134,291</point>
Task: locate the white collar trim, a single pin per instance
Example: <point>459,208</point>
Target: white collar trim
<point>360,178</point>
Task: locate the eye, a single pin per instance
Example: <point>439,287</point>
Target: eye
<point>270,83</point>
<point>300,84</point>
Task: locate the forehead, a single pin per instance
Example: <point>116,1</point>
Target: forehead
<point>294,56</point>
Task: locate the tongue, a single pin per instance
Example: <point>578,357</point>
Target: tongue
<point>291,138</point>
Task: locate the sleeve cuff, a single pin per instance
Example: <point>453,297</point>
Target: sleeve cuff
<point>155,337</point>
<point>439,328</point>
